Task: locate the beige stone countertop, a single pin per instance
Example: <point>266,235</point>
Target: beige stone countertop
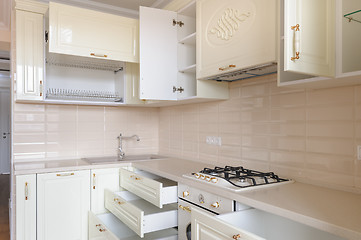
<point>333,211</point>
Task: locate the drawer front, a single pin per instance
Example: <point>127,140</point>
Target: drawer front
<point>98,230</point>
<point>126,212</point>
<point>146,188</point>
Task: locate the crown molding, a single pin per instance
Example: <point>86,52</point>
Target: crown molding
<point>31,6</point>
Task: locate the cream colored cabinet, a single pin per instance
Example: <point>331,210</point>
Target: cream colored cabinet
<point>26,207</point>
<point>138,214</point>
<point>102,179</point>
<point>29,55</point>
<point>252,224</point>
<point>152,188</point>
<point>168,56</point>
<point>233,35</point>
<point>87,33</point>
<point>63,203</point>
<point>317,46</point>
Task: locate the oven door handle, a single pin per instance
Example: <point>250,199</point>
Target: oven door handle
<point>188,209</point>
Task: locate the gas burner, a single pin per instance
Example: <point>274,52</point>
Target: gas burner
<point>237,178</point>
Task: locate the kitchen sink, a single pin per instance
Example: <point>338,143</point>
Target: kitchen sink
<point>126,158</point>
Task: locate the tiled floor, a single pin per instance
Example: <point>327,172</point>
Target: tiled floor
<point>4,211</point>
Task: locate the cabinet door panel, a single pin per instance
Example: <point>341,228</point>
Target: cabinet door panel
<point>83,32</point>
<point>207,227</point>
<point>29,55</point>
<point>102,179</point>
<point>234,34</point>
<point>314,39</point>
<point>26,207</point>
<point>63,205</point>
<point>158,54</point>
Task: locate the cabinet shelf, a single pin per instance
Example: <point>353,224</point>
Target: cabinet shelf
<point>190,39</point>
<point>351,16</point>
<point>189,69</point>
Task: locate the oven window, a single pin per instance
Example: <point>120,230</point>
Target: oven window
<point>189,232</point>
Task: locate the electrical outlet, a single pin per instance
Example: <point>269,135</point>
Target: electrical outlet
<point>359,152</point>
<point>208,140</point>
<point>212,140</point>
<point>218,141</point>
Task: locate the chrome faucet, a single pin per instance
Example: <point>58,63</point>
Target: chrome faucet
<point>121,153</point>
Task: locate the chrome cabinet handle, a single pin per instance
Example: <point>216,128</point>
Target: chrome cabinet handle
<point>296,41</point>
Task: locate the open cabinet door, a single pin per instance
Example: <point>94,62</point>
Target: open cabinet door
<point>158,54</point>
<point>309,31</point>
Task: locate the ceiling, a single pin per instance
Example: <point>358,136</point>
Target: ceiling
<point>127,8</point>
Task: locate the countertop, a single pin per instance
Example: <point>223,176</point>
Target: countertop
<point>334,211</point>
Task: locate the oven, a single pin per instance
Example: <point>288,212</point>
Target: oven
<point>190,198</point>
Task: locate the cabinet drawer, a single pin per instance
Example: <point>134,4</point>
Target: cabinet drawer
<point>156,190</point>
<point>139,215</point>
<point>106,226</point>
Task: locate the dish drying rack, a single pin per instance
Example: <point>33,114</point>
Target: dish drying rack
<point>83,95</point>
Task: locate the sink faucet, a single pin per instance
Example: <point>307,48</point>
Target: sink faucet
<point>121,153</point>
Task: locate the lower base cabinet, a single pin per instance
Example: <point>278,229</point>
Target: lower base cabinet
<point>252,224</point>
<point>26,207</point>
<point>63,203</point>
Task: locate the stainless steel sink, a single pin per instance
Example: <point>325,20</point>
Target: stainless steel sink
<point>101,160</point>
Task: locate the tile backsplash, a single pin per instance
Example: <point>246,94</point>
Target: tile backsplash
<point>307,135</point>
<point>44,132</point>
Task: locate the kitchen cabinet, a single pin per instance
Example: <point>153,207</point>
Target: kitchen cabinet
<point>29,55</point>
<point>26,207</point>
<point>75,31</point>
<point>233,36</point>
<point>156,190</point>
<point>317,44</point>
<point>102,179</point>
<point>63,203</point>
<point>252,224</point>
<point>168,57</point>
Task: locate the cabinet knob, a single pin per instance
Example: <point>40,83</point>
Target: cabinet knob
<point>215,205</point>
<point>185,194</point>
<point>238,236</point>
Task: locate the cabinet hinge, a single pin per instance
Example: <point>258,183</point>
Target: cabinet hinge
<point>180,89</point>
<point>46,36</point>
<point>179,23</point>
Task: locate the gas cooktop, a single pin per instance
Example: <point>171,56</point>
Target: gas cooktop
<point>237,178</point>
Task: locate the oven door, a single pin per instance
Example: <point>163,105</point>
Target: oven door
<point>184,218</point>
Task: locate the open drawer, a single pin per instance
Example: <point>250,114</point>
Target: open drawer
<point>139,215</point>
<point>108,227</point>
<point>253,224</point>
<point>156,190</point>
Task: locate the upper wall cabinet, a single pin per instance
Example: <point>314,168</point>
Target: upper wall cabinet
<point>235,35</point>
<point>29,54</point>
<point>168,56</point>
<point>87,33</point>
<point>318,46</point>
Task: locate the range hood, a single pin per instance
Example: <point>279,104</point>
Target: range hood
<point>240,74</point>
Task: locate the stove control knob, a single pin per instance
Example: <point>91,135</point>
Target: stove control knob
<point>203,177</point>
<point>208,178</point>
<point>197,175</point>
<point>215,205</point>
<point>185,194</point>
<point>214,180</point>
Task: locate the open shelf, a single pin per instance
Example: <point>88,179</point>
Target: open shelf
<point>190,39</point>
<point>354,16</point>
<point>189,69</point>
